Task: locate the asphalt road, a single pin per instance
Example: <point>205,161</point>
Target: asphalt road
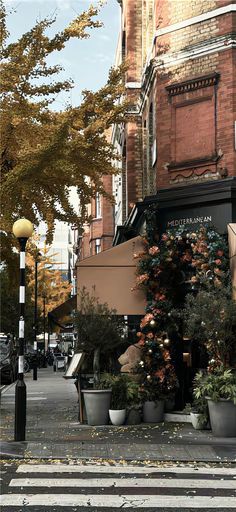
<point>44,486</point>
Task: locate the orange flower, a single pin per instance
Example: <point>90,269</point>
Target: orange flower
<point>160,374</point>
<point>154,250</point>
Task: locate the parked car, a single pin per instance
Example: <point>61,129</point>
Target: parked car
<point>8,363</point>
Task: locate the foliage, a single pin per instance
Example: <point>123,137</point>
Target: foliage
<point>216,385</point>
<point>133,394</point>
<point>99,329</point>
<point>9,300</point>
<point>44,152</point>
<point>119,393</point>
<point>210,318</point>
<point>199,404</point>
<point>158,376</point>
<point>125,390</point>
<point>53,289</point>
<point>172,265</point>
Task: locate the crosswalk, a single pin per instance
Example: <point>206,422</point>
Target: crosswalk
<point>104,487</point>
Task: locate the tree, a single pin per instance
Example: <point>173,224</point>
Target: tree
<point>9,301</point>
<point>53,290</point>
<point>99,330</point>
<point>43,152</point>
<point>210,319</point>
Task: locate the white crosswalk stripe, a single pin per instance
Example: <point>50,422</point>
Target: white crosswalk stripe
<point>118,487</point>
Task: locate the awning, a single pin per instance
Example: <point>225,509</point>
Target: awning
<point>232,255</point>
<point>113,273</point>
<point>58,314</point>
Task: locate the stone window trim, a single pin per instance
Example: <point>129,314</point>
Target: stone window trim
<point>194,84</point>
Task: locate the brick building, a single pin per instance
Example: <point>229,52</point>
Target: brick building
<point>178,147</point>
<point>181,83</point>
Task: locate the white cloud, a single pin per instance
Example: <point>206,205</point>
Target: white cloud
<point>104,37</point>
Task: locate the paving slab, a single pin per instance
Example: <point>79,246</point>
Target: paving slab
<point>53,431</point>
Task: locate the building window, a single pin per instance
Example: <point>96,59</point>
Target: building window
<point>98,206</point>
<point>152,136</point>
<point>123,46</point>
<point>98,245</point>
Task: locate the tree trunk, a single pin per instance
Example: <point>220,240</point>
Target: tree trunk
<point>96,366</point>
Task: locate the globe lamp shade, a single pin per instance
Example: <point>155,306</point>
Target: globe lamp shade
<point>22,228</point>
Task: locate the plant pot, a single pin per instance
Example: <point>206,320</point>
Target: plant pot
<point>97,404</point>
<point>222,417</point>
<point>133,417</point>
<point>153,412</point>
<point>117,417</point>
<point>169,404</point>
<point>196,422</point>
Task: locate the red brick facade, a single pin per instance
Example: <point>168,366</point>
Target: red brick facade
<point>181,83</point>
<point>98,235</point>
<point>182,78</point>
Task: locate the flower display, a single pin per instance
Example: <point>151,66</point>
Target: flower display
<point>173,264</point>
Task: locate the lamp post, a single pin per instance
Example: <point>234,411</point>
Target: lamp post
<point>35,373</point>
<point>22,229</point>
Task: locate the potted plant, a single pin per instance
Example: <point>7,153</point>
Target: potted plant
<point>117,411</point>
<point>134,404</point>
<point>218,387</point>
<point>156,388</point>
<point>99,333</point>
<point>199,410</point>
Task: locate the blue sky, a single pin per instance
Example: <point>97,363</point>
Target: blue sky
<point>87,62</point>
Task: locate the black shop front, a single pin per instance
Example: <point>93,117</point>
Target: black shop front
<point>212,203</point>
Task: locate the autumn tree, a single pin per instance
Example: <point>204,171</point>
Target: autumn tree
<point>44,152</point>
<point>53,288</point>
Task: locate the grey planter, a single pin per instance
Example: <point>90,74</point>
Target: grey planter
<point>222,417</point>
<point>97,405</point>
<point>153,412</point>
<point>133,417</point>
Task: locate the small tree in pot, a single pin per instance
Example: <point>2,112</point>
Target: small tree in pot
<point>100,332</point>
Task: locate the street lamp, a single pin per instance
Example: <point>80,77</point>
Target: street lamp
<point>22,229</point>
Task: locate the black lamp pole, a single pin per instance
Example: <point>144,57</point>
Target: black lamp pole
<point>22,229</point>
<point>35,369</point>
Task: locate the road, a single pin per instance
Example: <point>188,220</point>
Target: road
<point>37,486</point>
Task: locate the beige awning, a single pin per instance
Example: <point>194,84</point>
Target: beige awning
<point>113,273</point>
<point>59,313</point>
<point>232,254</point>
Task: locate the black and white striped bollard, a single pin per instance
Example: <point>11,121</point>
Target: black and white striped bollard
<point>22,229</point>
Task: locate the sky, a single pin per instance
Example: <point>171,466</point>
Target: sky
<point>87,62</point>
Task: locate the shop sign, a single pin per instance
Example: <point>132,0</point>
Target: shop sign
<point>217,215</point>
<point>189,221</point>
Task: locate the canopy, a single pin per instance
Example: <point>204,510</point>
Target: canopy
<point>232,254</point>
<point>60,312</point>
<point>113,274</point>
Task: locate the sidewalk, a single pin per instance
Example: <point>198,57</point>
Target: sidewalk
<point>53,431</point>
